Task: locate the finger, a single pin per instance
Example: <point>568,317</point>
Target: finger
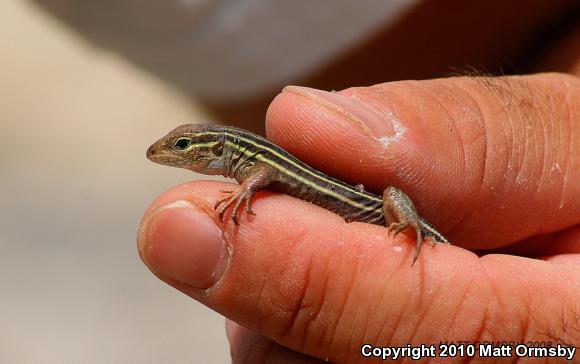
<point>325,288</point>
<point>489,161</point>
<point>248,347</point>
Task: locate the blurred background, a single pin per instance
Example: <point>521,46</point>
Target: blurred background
<point>87,86</point>
<point>74,125</point>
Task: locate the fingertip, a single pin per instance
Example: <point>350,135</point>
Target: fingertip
<point>180,242</point>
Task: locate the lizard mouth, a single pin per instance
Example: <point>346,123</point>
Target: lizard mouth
<point>158,156</point>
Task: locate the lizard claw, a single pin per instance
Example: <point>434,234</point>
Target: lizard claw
<point>225,203</point>
<point>236,199</point>
<point>397,227</point>
<point>248,205</point>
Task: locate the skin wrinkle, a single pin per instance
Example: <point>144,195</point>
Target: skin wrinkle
<point>545,167</point>
<point>522,162</point>
<point>523,111</point>
<point>533,148</point>
<point>436,293</point>
<point>480,117</point>
<point>407,167</point>
<point>540,147</point>
<point>455,314</point>
<point>526,327</point>
<point>261,295</point>
<point>396,325</point>
<point>484,313</point>
<point>334,339</point>
<point>365,331</point>
<point>562,145</point>
<point>418,320</point>
<point>302,307</point>
<point>407,308</point>
<point>419,317</point>
<point>318,315</point>
<point>353,324</point>
<point>395,328</point>
<point>541,139</point>
<point>462,150</point>
<point>365,328</point>
<point>509,113</point>
<point>351,339</point>
<point>292,321</point>
<point>566,327</point>
<point>383,302</point>
<point>548,133</point>
<point>406,171</point>
<point>493,299</point>
<point>573,326</point>
<point>511,152</point>
<point>563,324</point>
<point>435,97</point>
<point>531,318</point>
<point>569,121</point>
<point>527,302</point>
<point>569,160</point>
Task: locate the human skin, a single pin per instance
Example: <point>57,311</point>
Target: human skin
<point>494,163</point>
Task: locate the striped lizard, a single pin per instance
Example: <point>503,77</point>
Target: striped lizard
<point>257,164</point>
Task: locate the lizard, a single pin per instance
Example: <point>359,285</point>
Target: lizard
<point>256,164</point>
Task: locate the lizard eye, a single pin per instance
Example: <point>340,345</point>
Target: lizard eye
<point>181,143</point>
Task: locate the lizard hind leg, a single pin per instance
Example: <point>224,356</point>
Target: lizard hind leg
<point>400,214</point>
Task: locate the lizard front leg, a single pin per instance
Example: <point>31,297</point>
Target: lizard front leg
<point>258,177</point>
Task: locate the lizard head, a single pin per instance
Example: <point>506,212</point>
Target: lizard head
<point>197,147</point>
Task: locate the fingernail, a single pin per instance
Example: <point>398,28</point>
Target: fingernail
<point>371,120</point>
<point>184,244</point>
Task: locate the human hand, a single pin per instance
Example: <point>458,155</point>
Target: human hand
<point>493,163</point>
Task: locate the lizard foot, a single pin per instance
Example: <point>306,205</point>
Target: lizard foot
<point>236,199</point>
